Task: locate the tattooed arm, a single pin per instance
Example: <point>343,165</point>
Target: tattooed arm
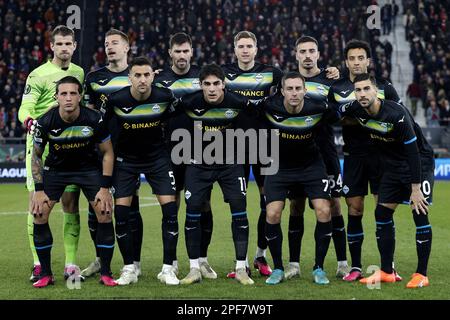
<point>37,168</point>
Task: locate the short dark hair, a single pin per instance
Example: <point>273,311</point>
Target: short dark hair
<point>364,77</point>
<point>69,79</point>
<point>292,75</point>
<point>179,38</point>
<point>304,39</point>
<point>357,44</point>
<point>211,70</point>
<point>113,31</point>
<point>62,30</point>
<point>140,61</point>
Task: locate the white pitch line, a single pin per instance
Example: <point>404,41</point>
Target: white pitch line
<point>6,213</point>
<point>9,213</point>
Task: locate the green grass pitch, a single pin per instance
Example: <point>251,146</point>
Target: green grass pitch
<point>16,260</point>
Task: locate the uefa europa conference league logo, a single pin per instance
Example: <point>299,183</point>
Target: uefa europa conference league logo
<point>232,141</point>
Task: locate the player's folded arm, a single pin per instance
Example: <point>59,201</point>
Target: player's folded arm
<point>255,108</point>
<point>175,109</point>
<point>331,116</point>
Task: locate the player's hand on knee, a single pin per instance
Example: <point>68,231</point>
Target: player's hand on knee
<point>40,199</point>
<point>332,73</point>
<point>104,200</point>
<point>418,201</point>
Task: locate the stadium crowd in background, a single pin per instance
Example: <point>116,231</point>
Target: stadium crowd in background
<point>25,44</point>
<point>26,29</point>
<point>428,32</point>
<point>212,26</point>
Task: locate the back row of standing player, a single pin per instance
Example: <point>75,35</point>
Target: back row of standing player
<point>255,81</point>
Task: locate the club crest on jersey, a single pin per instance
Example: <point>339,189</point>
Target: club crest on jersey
<point>320,88</point>
<point>229,114</point>
<point>309,121</point>
<point>259,77</point>
<point>345,189</point>
<point>85,131</point>
<point>156,108</point>
<point>196,83</point>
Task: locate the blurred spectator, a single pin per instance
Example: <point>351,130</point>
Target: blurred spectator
<point>100,55</point>
<point>386,17</point>
<point>433,115</point>
<point>16,131</point>
<point>413,93</point>
<point>395,9</point>
<point>445,114</point>
<point>408,20</point>
<point>3,115</point>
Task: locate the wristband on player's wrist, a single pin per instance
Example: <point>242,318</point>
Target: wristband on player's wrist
<point>39,186</point>
<point>106,181</point>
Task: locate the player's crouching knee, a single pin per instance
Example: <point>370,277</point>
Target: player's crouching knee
<point>104,218</point>
<point>40,218</point>
<point>355,207</point>
<point>69,202</point>
<point>323,212</point>
<point>273,214</point>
